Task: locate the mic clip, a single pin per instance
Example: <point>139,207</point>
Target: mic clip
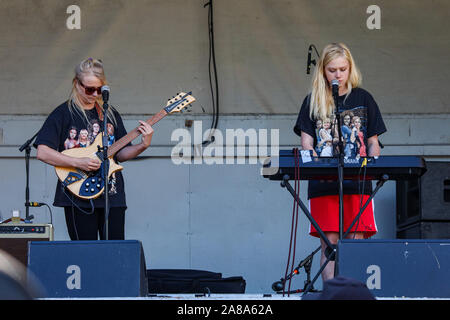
<point>34,204</point>
<point>310,61</point>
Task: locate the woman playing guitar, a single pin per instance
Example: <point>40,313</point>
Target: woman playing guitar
<point>85,218</point>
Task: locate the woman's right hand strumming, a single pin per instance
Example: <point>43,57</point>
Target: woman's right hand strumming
<point>88,164</point>
<point>58,159</point>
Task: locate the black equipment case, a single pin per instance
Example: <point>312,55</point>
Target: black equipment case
<point>192,281</point>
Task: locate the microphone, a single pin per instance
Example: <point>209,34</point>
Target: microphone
<point>278,285</point>
<point>308,64</point>
<point>105,93</point>
<point>335,88</point>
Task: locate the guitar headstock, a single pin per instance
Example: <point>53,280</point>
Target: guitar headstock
<point>179,103</point>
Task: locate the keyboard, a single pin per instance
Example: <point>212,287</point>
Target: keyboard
<point>326,168</point>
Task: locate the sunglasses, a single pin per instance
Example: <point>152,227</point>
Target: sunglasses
<point>90,90</point>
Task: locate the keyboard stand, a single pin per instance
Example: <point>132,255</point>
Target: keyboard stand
<point>330,252</point>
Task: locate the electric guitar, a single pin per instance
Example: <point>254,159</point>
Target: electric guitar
<point>90,184</point>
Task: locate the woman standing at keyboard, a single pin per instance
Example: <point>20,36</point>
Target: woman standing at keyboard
<point>336,62</point>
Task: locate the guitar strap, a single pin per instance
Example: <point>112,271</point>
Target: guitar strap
<point>99,111</point>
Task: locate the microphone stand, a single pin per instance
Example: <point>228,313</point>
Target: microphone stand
<point>340,146</point>
<point>27,147</point>
<point>105,165</point>
<point>306,263</point>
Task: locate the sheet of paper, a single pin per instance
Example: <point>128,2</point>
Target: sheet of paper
<point>306,156</point>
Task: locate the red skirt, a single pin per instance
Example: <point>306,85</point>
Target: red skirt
<point>325,211</point>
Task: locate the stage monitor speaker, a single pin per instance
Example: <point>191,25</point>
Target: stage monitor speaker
<point>398,268</point>
<point>112,268</point>
<point>14,238</point>
<point>426,198</point>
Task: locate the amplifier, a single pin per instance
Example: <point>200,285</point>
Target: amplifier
<point>14,238</point>
<point>26,230</point>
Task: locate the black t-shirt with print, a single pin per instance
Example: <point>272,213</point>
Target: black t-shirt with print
<point>63,130</point>
<point>360,120</point>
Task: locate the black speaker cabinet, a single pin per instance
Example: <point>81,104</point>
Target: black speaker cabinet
<point>112,268</point>
<point>398,268</point>
<point>425,230</point>
<point>426,198</point>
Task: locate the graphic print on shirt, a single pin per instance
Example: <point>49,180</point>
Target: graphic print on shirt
<point>72,140</point>
<point>353,129</point>
<point>93,130</point>
<point>85,137</point>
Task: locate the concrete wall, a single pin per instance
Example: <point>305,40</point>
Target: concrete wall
<point>224,218</point>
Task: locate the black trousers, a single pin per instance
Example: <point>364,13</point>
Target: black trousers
<point>83,226</point>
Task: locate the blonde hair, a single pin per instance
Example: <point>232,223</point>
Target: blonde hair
<point>322,104</point>
<point>86,67</point>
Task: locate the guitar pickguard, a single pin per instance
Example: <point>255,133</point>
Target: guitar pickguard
<point>93,184</point>
<point>71,178</point>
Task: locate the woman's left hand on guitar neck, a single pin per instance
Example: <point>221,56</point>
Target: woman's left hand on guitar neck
<point>147,132</point>
<point>131,152</point>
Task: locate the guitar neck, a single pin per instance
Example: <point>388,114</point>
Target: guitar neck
<point>133,134</point>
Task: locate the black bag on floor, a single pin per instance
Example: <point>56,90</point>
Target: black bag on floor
<point>192,281</point>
